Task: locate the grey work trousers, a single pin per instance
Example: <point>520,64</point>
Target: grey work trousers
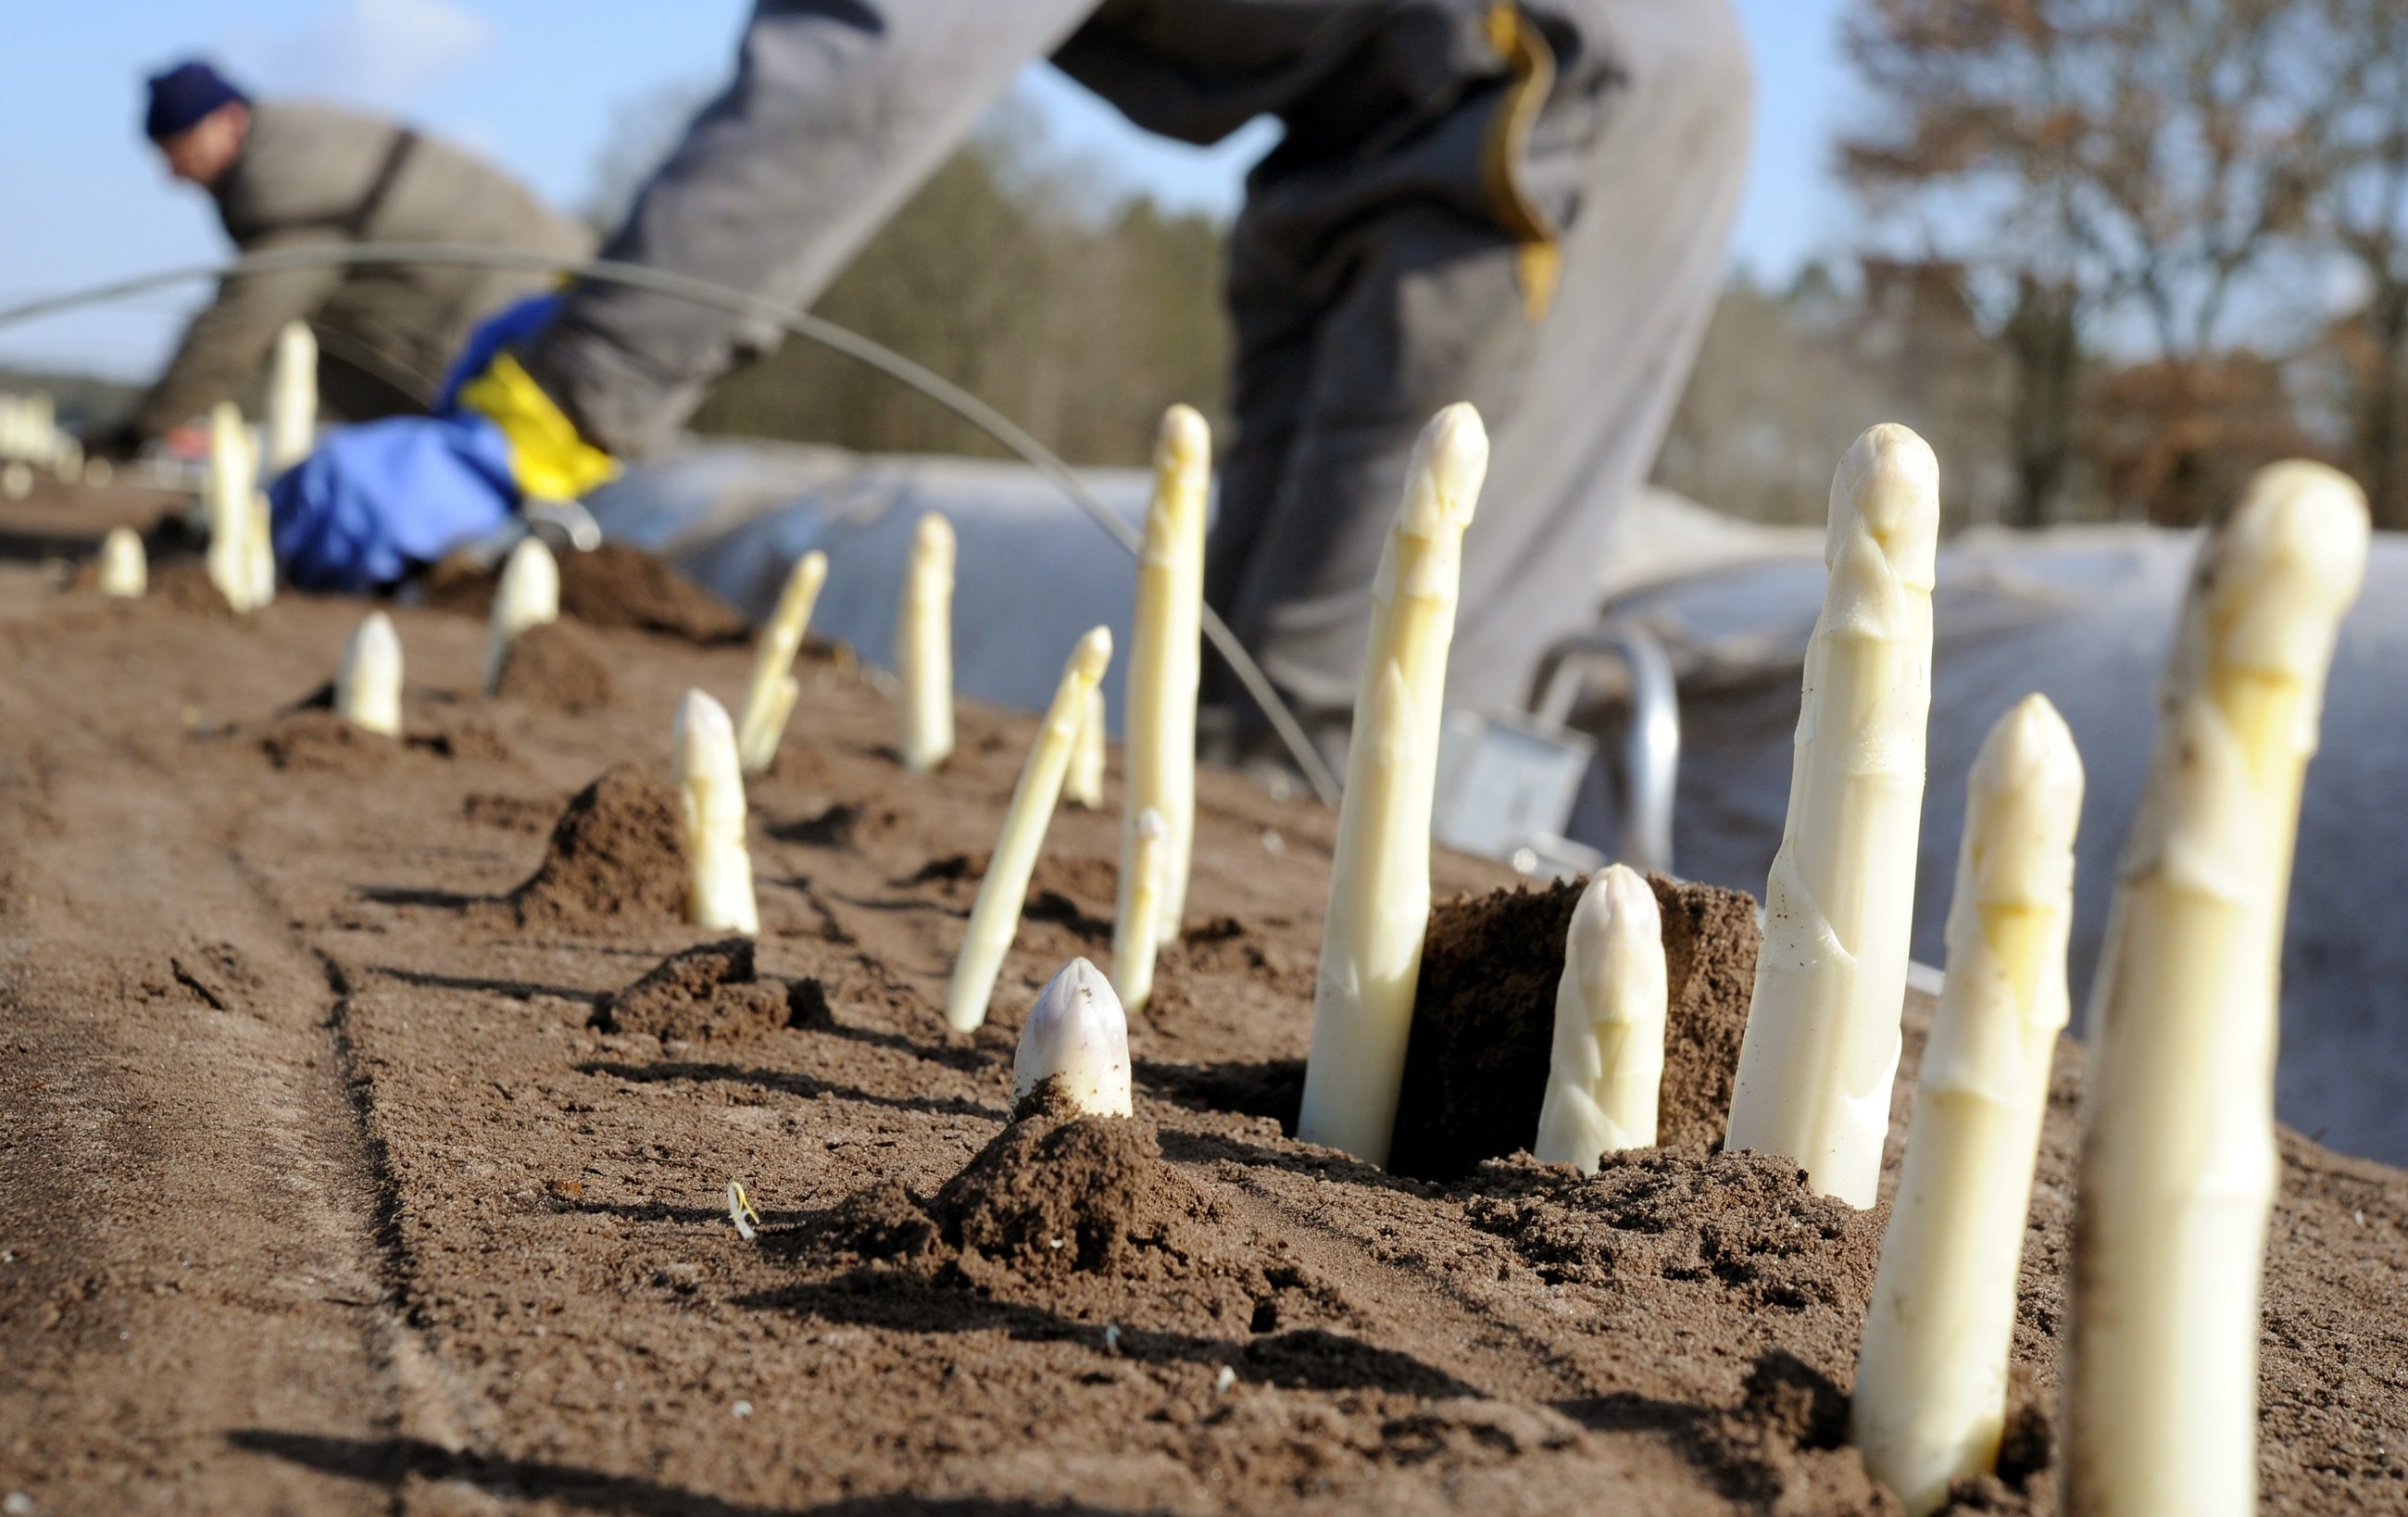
<point>1381,268</point>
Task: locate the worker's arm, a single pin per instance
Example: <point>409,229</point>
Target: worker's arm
<point>839,110</point>
<point>229,339</point>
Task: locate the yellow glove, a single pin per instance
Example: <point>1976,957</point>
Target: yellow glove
<point>548,459</point>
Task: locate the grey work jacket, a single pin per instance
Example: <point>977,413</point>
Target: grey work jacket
<point>313,174</point>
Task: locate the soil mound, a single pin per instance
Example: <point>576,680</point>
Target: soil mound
<point>619,849</point>
<point>709,993</point>
<point>313,740</point>
<point>470,741</point>
<point>1744,1222</point>
<point>613,586</point>
<point>183,586</point>
<point>557,664</point>
<point>1083,1214</point>
<point>1484,1013</point>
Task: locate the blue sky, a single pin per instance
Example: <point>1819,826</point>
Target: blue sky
<point>533,84</point>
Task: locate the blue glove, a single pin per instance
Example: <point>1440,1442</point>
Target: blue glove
<point>375,501</point>
<point>378,500</point>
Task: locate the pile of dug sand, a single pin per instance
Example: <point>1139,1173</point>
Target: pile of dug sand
<point>611,586</point>
<point>434,1203</point>
<point>557,664</point>
<point>617,851</point>
<point>710,993</point>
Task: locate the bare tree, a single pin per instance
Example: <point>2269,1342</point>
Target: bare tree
<point>2112,173</point>
<point>2360,215</point>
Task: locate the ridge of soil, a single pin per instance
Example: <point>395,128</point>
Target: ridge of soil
<point>556,664</point>
<point>324,1186</point>
<point>618,850</point>
<point>612,586</point>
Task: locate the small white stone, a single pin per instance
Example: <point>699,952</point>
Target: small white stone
<point>1274,842</point>
<point>18,1504</point>
<point>1112,1338</point>
<point>1222,1381</point>
<point>742,1409</point>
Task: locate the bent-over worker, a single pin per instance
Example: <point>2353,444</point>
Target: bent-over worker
<point>296,174</point>
<point>1523,205</point>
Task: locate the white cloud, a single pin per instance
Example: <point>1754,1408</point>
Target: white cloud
<point>386,53</point>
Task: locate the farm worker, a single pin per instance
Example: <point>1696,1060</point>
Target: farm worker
<point>290,173</point>
<point>1523,205</point>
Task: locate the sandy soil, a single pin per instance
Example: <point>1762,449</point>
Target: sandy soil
<point>338,1172</point>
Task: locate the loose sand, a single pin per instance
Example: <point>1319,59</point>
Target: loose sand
<point>364,1145</point>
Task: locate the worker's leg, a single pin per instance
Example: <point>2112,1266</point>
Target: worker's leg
<point>839,110</point>
<point>1424,304</point>
<point>1431,313</point>
<point>1641,268</point>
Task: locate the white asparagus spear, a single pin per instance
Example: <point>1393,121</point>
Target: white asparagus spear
<point>528,596</point>
<point>227,491</point>
<point>1379,883</point>
<point>924,646</point>
<point>995,916</point>
<point>367,689</point>
<point>259,554</point>
<point>1931,1385</point>
<point>1077,1032</point>
<point>124,570</point>
<point>1606,1067</point>
<point>1158,744</point>
<point>1137,932</point>
<point>769,700</point>
<point>293,398</point>
<point>1085,784</point>
<point>2178,1159</point>
<point>1820,1052</point>
<point>711,789</point>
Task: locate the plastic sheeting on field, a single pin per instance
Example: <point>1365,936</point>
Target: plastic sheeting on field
<point>2083,615</point>
<point>1032,573</point>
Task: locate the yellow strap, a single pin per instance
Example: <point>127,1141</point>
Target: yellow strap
<point>1540,260</point>
<point>549,461</point>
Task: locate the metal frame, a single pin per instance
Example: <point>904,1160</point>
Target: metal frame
<point>1651,755</point>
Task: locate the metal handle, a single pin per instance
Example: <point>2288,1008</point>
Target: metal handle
<point>1651,756</point>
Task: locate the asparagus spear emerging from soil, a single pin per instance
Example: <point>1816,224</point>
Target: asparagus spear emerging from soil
<point>702,767</point>
<point>527,596</point>
<point>1136,934</point>
<point>1821,1049</point>
<point>996,914</point>
<point>1077,1033</point>
<point>1607,1063</point>
<point>1085,784</point>
<point>771,699</point>
<point>293,398</point>
<point>1158,748</point>
<point>924,647</point>
<point>1379,885</point>
<point>125,571</point>
<point>367,690</point>
<point>1931,1386</point>
<point>2178,1158</point>
<point>228,492</point>
<point>259,553</point>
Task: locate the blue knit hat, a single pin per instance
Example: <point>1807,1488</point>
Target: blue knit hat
<point>182,95</point>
